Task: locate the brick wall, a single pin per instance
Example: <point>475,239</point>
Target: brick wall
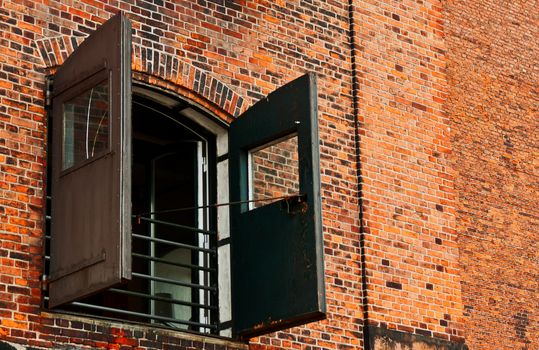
<point>411,253</point>
<point>493,69</point>
<point>22,161</point>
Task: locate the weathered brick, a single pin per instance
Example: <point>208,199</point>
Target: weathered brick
<point>494,121</point>
<point>428,122</point>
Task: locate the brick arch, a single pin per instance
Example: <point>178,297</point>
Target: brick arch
<point>159,68</point>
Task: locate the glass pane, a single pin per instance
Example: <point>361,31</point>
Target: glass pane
<point>86,125</point>
<point>274,172</point>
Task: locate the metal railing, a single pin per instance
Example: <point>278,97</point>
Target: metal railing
<point>190,301</point>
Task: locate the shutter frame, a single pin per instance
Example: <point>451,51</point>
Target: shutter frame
<point>277,257</point>
<point>91,201</point>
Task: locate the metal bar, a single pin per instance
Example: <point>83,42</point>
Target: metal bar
<point>183,227</point>
<point>139,314</point>
<point>164,261</point>
<point>152,233</point>
<point>168,300</point>
<point>215,205</point>
<point>166,280</point>
<point>175,244</point>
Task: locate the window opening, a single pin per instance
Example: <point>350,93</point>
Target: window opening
<point>174,254</point>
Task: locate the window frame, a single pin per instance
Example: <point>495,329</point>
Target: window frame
<point>71,93</point>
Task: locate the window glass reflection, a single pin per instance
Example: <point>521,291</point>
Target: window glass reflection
<point>86,125</point>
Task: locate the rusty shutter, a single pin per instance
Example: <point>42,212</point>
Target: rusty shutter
<point>277,249</point>
<point>91,166</point>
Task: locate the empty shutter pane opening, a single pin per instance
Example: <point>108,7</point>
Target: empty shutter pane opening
<point>273,171</point>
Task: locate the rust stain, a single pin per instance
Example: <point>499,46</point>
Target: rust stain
<point>267,323</point>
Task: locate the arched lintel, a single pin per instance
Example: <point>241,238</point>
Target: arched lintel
<point>161,69</point>
<point>173,90</point>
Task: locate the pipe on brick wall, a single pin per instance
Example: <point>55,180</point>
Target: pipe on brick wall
<point>355,111</point>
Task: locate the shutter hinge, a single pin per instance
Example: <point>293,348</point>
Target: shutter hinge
<point>48,91</point>
<point>44,282</point>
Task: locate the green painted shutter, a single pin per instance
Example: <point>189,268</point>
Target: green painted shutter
<point>277,249</point>
<point>91,166</point>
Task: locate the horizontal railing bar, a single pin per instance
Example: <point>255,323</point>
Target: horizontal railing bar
<point>187,228</point>
<point>170,281</point>
<point>164,261</point>
<point>295,197</point>
<point>139,314</point>
<point>175,244</point>
<point>166,223</point>
<point>168,262</point>
<point>168,300</point>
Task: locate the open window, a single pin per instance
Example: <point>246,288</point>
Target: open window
<point>133,228</point>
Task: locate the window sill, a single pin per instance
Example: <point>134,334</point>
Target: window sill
<point>130,330</point>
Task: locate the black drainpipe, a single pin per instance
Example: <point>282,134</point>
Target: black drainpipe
<point>355,111</point>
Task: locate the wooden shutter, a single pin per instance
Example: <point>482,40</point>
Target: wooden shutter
<point>277,249</point>
<point>91,166</point>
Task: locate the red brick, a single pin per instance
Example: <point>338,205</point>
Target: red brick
<point>442,97</point>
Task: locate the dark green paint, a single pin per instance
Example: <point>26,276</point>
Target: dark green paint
<point>277,249</point>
